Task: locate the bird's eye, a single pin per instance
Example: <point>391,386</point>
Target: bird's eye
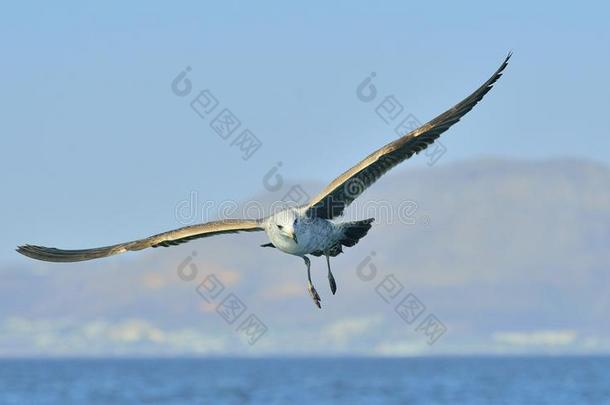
<point>280,227</point>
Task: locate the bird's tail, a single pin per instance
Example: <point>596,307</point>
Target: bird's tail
<point>349,234</point>
<point>352,232</point>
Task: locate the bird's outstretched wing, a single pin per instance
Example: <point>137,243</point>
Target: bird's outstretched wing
<point>170,238</point>
<point>347,187</point>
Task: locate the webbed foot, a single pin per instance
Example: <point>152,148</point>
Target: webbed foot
<point>314,294</point>
<point>333,284</point>
<point>331,278</point>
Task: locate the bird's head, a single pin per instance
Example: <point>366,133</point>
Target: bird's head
<point>284,224</point>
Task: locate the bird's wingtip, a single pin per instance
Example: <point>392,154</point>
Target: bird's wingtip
<point>22,248</point>
<point>506,59</point>
<point>27,250</point>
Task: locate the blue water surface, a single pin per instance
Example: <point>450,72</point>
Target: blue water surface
<point>444,380</point>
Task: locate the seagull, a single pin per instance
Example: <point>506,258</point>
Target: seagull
<point>310,229</point>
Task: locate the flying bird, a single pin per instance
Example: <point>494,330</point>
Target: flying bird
<point>310,229</point>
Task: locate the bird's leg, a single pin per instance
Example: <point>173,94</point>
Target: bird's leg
<point>331,278</point>
<point>312,291</point>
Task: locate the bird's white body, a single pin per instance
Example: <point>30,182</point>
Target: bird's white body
<point>292,232</point>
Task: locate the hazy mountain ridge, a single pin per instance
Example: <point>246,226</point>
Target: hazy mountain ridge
<point>493,241</point>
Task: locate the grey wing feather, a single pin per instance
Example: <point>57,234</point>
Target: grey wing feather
<point>333,200</point>
<point>170,238</point>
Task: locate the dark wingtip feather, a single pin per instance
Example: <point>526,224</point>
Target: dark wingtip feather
<point>59,255</point>
<point>28,250</point>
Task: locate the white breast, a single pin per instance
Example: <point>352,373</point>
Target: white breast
<point>312,235</point>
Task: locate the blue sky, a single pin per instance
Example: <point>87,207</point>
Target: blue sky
<point>93,138</point>
<point>97,149</point>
